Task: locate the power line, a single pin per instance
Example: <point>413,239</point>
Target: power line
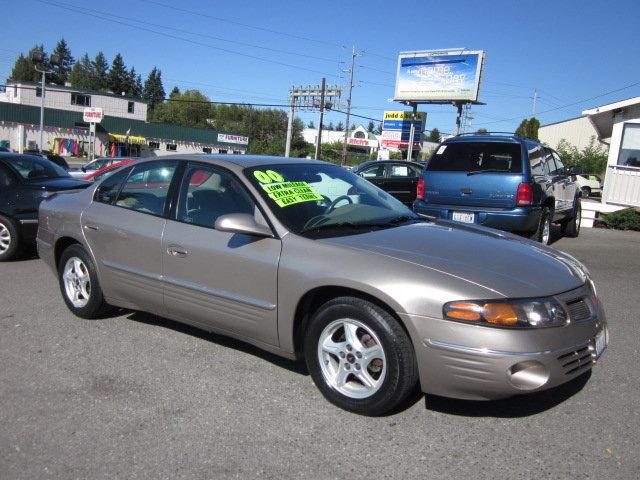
<point>194,42</point>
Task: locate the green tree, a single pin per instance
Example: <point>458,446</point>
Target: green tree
<point>24,68</point>
<point>434,136</point>
<point>528,128</point>
<point>153,91</point>
<point>133,83</point>
<point>83,75</point>
<point>118,80</point>
<point>330,126</point>
<point>371,127</point>
<point>61,72</point>
<point>482,131</point>
<point>311,124</point>
<point>174,92</point>
<point>191,108</point>
<point>379,129</point>
<point>340,127</point>
<point>592,158</point>
<point>101,71</point>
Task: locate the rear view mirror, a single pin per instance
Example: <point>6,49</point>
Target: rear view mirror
<point>242,223</point>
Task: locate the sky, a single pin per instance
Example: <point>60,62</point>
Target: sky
<point>576,54</point>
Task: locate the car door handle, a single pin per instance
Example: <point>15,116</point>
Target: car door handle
<point>176,251</point>
<point>91,227</point>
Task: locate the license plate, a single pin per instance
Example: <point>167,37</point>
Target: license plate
<point>601,343</point>
<point>464,217</point>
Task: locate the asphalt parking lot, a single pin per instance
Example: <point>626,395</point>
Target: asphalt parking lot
<point>136,396</point>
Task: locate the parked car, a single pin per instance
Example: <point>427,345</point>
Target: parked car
<point>399,178</point>
<point>25,180</point>
<point>57,159</point>
<point>95,165</point>
<point>588,184</point>
<point>106,171</point>
<point>375,298</point>
<point>500,181</point>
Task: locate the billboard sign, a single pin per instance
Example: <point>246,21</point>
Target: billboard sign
<point>439,76</point>
<point>228,138</point>
<point>400,136</point>
<point>92,115</point>
<point>362,142</point>
<point>401,120</point>
<point>399,144</point>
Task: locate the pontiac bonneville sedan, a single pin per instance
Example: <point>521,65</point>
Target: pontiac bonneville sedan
<point>307,260</point>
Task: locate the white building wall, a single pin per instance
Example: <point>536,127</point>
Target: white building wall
<point>577,131</point>
<point>60,98</point>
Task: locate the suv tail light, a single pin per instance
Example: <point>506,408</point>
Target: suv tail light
<point>524,195</point>
<point>420,189</point>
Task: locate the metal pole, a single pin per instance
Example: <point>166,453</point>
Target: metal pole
<point>458,118</point>
<point>319,139</point>
<point>535,99</point>
<point>42,112</point>
<point>412,132</point>
<point>287,148</point>
<point>346,128</point>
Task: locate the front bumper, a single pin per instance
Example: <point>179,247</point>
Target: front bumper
<point>475,362</point>
<point>521,219</point>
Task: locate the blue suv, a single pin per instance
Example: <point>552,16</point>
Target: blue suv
<point>500,181</point>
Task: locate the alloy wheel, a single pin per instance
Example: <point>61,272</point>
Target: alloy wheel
<point>77,282</point>
<point>5,238</point>
<point>352,358</point>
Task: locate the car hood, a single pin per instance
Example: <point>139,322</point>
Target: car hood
<point>505,264</point>
<point>57,184</point>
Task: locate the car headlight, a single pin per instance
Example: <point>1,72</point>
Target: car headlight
<point>540,312</point>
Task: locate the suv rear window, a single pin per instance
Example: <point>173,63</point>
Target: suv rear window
<point>476,157</point>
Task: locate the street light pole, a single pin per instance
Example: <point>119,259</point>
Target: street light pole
<point>44,73</point>
<point>38,58</point>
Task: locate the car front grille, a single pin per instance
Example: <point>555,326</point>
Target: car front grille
<point>581,359</point>
<point>578,310</point>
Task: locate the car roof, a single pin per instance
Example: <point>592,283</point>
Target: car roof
<point>489,138</point>
<point>382,162</point>
<point>243,161</point>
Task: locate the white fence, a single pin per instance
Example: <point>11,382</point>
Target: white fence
<point>622,186</point>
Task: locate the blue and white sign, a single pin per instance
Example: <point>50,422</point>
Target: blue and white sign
<point>404,125</point>
<point>439,76</point>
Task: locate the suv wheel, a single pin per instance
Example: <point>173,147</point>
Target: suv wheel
<point>543,232</point>
<point>585,192</point>
<point>79,284</point>
<point>9,239</point>
<point>359,356</point>
<point>571,228</point>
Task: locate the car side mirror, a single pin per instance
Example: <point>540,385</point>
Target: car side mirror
<point>84,169</point>
<point>242,223</point>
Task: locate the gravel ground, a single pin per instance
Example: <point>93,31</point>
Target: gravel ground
<point>136,396</point>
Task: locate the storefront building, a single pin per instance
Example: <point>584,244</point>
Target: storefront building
<point>122,132</point>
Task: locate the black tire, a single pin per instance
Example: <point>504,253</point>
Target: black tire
<point>9,233</point>
<point>571,228</point>
<point>401,374</point>
<point>545,217</point>
<point>96,306</point>
<point>585,192</point>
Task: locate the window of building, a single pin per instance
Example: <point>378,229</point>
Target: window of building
<point>38,92</point>
<point>154,145</point>
<point>80,100</point>
<point>222,151</point>
<point>237,152</point>
<point>206,149</point>
<point>359,134</point>
<point>629,155</point>
<point>146,188</point>
<point>131,107</point>
<point>172,147</point>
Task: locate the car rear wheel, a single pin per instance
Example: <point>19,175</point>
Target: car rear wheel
<point>9,239</point>
<point>571,228</point>
<point>359,356</point>
<point>585,192</point>
<point>543,232</point>
<point>79,284</point>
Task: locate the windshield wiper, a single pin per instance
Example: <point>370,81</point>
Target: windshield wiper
<point>340,225</point>
<point>401,219</point>
<point>488,170</point>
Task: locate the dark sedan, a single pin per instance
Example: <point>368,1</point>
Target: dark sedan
<point>25,180</point>
<point>397,177</point>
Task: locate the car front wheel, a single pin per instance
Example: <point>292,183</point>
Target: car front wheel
<point>79,283</point>
<point>9,239</point>
<point>359,356</point>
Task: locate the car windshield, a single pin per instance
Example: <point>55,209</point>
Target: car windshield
<point>313,197</point>
<point>476,157</point>
<point>32,168</point>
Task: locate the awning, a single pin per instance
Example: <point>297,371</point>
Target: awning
<point>132,139</point>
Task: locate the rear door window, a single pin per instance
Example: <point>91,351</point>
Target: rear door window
<point>402,171</point>
<point>477,157</point>
<point>373,171</point>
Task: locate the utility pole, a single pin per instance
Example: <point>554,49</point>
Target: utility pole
<point>412,132</point>
<point>535,100</point>
<point>38,58</point>
<point>354,54</point>
<point>319,139</point>
<point>287,148</point>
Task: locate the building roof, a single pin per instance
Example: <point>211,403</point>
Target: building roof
<point>13,112</point>
<point>602,117</point>
<point>53,86</point>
